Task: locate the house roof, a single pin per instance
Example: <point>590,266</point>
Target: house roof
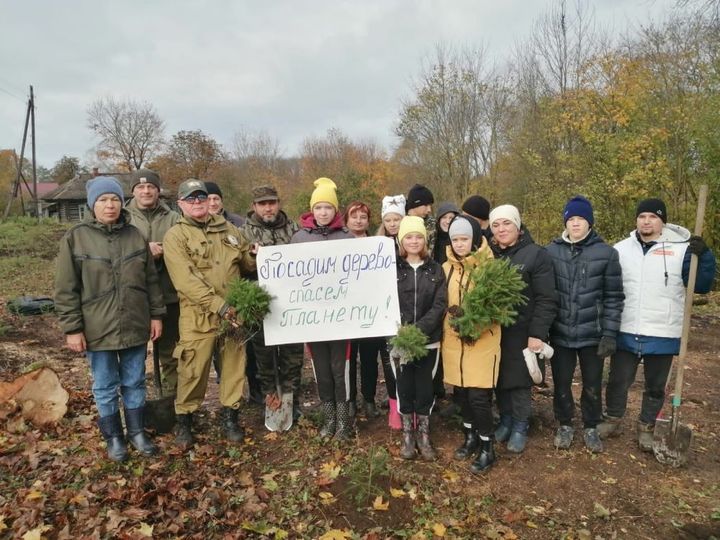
<point>74,190</point>
<point>43,188</point>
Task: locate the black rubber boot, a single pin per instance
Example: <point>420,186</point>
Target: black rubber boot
<point>486,457</point>
<point>344,421</point>
<point>112,431</point>
<point>183,431</point>
<point>408,437</point>
<point>228,421</point>
<point>469,446</point>
<point>136,432</point>
<point>423,438</point>
<point>329,423</point>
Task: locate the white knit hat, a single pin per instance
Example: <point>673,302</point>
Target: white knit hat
<point>393,204</point>
<point>506,211</point>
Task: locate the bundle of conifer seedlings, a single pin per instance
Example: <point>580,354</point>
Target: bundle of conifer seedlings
<point>409,343</point>
<point>495,293</point>
<point>251,303</point>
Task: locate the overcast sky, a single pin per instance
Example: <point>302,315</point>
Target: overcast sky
<point>290,68</point>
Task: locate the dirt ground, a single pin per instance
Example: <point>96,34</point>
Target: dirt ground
<point>55,483</point>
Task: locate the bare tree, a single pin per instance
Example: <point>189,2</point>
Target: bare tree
<point>259,148</point>
<point>130,132</point>
<point>450,128</point>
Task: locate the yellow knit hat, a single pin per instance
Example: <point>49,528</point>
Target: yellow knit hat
<point>411,224</point>
<point>325,191</point>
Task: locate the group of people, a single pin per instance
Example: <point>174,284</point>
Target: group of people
<point>140,271</point>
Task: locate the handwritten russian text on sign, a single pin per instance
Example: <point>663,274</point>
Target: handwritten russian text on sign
<point>336,289</point>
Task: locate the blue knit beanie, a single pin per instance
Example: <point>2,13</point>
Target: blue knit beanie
<point>100,185</point>
<point>579,206</point>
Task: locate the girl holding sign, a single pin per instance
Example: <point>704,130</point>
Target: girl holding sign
<point>423,299</point>
<point>329,358</point>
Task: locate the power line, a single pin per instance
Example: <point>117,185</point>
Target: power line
<point>16,88</point>
<point>12,95</point>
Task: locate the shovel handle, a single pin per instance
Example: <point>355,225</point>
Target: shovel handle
<point>687,312</point>
<point>156,368</point>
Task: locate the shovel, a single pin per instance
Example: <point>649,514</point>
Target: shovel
<point>159,412</point>
<point>281,418</point>
<point>671,440</point>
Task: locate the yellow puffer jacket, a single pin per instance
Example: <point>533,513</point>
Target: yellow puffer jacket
<point>202,260</point>
<point>468,365</point>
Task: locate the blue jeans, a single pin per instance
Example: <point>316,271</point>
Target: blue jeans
<point>122,370</point>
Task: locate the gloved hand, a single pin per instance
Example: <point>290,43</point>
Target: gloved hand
<point>697,245</point>
<point>606,347</point>
<point>400,356</point>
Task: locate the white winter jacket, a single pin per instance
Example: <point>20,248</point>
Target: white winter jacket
<point>653,283</point>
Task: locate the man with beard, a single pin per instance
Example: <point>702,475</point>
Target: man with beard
<point>268,225</point>
<point>153,218</point>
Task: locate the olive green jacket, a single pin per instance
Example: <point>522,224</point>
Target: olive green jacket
<point>106,285</point>
<point>153,224</point>
<point>202,259</point>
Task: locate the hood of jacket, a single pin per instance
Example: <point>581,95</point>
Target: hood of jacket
<point>307,222</point>
<point>670,233</point>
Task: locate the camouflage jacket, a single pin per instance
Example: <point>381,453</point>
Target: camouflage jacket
<point>277,233</point>
<point>431,227</point>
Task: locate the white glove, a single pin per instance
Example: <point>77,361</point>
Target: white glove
<point>546,352</point>
<point>532,365</point>
<point>400,356</point>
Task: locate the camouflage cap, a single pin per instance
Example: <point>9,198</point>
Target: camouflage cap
<point>265,193</point>
<point>190,186</point>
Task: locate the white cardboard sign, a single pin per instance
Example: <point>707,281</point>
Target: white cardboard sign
<point>330,290</point>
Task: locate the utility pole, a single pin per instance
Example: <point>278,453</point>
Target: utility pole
<point>16,188</point>
<point>38,208</point>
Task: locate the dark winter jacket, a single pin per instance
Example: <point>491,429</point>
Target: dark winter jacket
<point>422,294</point>
<point>312,232</point>
<point>106,285</point>
<point>442,239</point>
<point>153,223</point>
<point>535,317</point>
<point>588,279</point>
<point>235,219</point>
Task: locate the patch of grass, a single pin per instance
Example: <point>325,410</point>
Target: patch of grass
<point>27,236</point>
<point>26,274</point>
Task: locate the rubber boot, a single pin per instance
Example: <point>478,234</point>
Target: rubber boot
<point>183,431</point>
<point>518,437</point>
<point>611,426</point>
<point>645,436</point>
<point>502,433</point>
<point>393,415</point>
<point>329,422</point>
<point>344,421</point>
<point>485,458</point>
<point>112,431</point>
<point>228,422</point>
<point>136,432</point>
<point>423,438</point>
<point>408,438</point>
<point>371,410</point>
<point>469,446</point>
<point>297,413</point>
<point>352,408</point>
